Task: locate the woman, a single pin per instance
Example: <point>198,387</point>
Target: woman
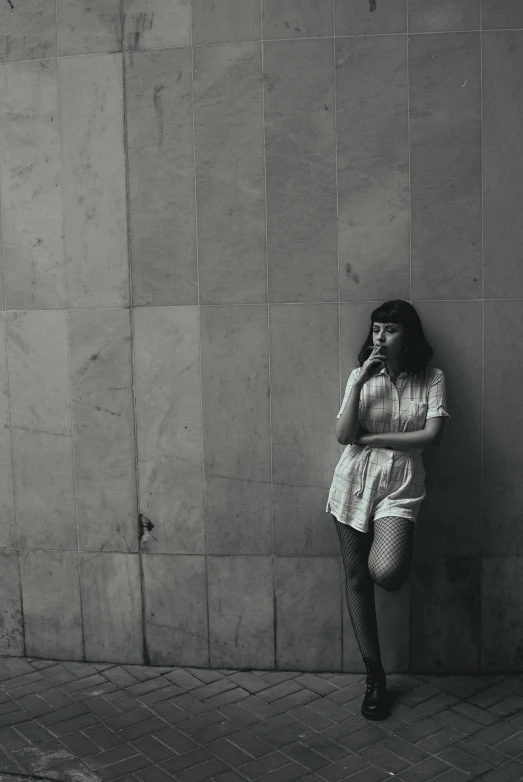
<point>379,481</point>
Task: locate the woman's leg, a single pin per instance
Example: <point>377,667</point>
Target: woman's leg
<point>391,552</point>
<point>355,547</point>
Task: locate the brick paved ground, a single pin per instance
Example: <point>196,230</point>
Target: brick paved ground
<point>89,722</point>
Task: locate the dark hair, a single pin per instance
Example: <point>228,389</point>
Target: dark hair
<point>419,352</point>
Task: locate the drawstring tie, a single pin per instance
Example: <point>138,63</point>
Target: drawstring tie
<point>363,472</point>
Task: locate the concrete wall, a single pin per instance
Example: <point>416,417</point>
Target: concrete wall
<point>200,206</point>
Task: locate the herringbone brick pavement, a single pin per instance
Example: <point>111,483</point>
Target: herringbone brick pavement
<point>87,722</point>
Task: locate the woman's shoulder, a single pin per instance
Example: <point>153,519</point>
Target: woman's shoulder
<point>433,372</point>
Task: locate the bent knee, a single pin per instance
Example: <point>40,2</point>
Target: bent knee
<point>390,579</point>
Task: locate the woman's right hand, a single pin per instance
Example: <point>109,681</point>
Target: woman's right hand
<point>374,362</point>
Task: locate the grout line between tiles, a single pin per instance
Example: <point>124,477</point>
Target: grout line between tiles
<point>204,491</point>
<point>67,328</point>
<point>480,635</point>
<point>145,649</point>
<point>271,482</point>
<point>9,404</point>
<point>341,447</point>
<point>411,612</point>
<point>274,40</point>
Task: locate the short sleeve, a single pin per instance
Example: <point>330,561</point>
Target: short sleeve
<point>437,397</point>
<point>350,382</point>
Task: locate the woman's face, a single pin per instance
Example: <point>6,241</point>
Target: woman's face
<point>390,336</point>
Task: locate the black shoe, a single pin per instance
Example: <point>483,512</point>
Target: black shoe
<point>374,706</point>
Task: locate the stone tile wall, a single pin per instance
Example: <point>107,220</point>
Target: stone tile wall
<point>201,204</point>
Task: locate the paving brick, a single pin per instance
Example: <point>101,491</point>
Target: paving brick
<point>382,757</point>
<point>205,675</point>
<point>83,684</point>
<point>236,712</point>
<point>80,745</point>
<point>69,726</point>
<point>183,679</point>
<point>453,775</point>
<point>110,756</point>
<point>427,769</point>
<point>362,738</point>
<point>260,708</point>
<point>120,676</point>
<point>489,697</point>
<point>229,752</point>
<point>343,768</point>
<point>466,762</point>
<point>252,744</point>
<point>102,736</point>
<point>326,747</point>
<point>249,682</point>
<point>482,751</point>
<point>288,735</point>
<point>13,718</point>
<point>169,712</point>
<point>453,686</point>
<point>123,767</point>
<point>101,707</point>
<point>224,698</point>
<point>191,705</point>
<point>175,740</point>
<point>151,725</point>
<point>153,774</point>
<point>123,701</point>
<point>121,721</point>
<point>508,772</point>
<point>228,776</point>
<point>439,703</point>
<point>329,709</point>
<point>56,698</point>
<point>475,713</point>
<point>153,749</point>
<point>186,760</point>
<point>80,670</point>
<point>143,672</point>
<point>161,694</point>
<point>59,675</point>
<point>507,706</point>
<point>196,724</point>
<point>283,774</point>
<point>204,771</point>
<point>278,722</point>
<point>10,739</point>
<point>311,718</point>
<point>34,705</point>
<point>512,746</point>
<point>264,765</point>
<point>214,688</point>
<point>371,774</point>
<point>151,685</point>
<point>453,720</point>
<point>279,690</point>
<point>420,730</point>
<point>300,698</point>
<point>316,684</point>
<point>306,756</point>
<point>33,732</point>
<point>403,749</point>
<point>218,730</point>
<point>440,741</point>
<point>276,677</point>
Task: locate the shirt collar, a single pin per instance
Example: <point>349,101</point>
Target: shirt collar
<point>383,371</point>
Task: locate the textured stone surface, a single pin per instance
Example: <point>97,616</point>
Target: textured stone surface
<point>131,723</point>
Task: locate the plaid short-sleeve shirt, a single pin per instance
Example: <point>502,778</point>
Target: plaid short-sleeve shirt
<point>376,481</point>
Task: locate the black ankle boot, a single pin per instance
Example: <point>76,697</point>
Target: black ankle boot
<point>374,706</point>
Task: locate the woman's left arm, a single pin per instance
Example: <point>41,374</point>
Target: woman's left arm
<point>404,441</point>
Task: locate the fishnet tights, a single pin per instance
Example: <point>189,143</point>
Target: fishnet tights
<point>381,558</point>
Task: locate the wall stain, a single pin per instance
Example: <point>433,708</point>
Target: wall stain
<point>372,5</point>
<point>157,102</point>
<point>351,274</point>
